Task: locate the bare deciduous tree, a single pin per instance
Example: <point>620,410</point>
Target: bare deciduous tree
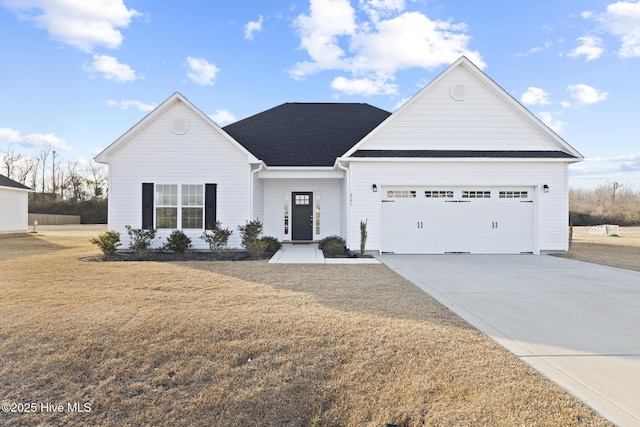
<point>96,179</point>
<point>611,203</point>
<point>46,172</point>
<point>11,161</point>
<point>75,181</point>
<point>27,167</point>
<point>43,156</point>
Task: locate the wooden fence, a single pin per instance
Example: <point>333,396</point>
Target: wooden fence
<point>49,219</point>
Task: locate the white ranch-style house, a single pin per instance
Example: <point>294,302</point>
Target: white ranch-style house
<point>462,167</point>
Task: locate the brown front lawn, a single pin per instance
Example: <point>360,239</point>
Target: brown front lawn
<point>247,344</point>
<point>618,251</point>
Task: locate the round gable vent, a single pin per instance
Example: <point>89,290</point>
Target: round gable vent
<point>179,126</point>
<point>459,92</point>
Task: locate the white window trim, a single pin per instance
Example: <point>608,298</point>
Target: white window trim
<point>179,206</point>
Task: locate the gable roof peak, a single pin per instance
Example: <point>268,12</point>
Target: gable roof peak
<point>497,91</point>
<point>103,156</point>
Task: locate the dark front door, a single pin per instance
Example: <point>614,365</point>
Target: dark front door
<point>302,216</point>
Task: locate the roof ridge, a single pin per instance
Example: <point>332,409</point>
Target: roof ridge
<point>328,103</point>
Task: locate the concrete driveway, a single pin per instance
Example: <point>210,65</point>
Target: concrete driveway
<point>576,323</point>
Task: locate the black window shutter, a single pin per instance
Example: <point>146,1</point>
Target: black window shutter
<point>210,206</point>
<point>147,205</point>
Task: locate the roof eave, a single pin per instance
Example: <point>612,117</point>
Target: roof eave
<point>459,159</point>
<point>299,168</point>
<point>6,187</point>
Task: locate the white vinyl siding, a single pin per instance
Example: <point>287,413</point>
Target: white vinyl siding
<point>480,122</point>
<point>155,154</point>
<point>258,198</point>
<point>13,210</point>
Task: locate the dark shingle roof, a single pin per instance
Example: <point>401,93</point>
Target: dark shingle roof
<point>6,182</point>
<point>306,134</point>
<point>465,153</point>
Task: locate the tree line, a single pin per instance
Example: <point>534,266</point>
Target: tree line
<point>611,203</point>
<point>71,187</point>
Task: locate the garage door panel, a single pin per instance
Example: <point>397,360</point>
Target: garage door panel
<point>480,220</point>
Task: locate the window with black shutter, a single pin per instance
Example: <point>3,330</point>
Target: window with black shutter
<point>147,205</point>
<point>210,206</point>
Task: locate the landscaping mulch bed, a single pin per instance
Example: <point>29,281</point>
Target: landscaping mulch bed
<point>157,256</point>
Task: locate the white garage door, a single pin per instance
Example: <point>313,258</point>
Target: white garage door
<point>425,220</point>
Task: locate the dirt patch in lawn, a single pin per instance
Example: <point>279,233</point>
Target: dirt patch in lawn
<point>618,251</point>
<point>251,343</point>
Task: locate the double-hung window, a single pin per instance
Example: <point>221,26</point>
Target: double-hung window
<point>179,204</point>
<point>192,206</point>
<point>166,206</point>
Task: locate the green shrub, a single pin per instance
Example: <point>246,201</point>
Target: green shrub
<point>322,243</point>
<point>363,236</point>
<point>256,248</point>
<point>141,239</point>
<point>177,242</point>
<point>273,244</point>
<point>108,242</point>
<point>334,247</point>
<point>250,232</point>
<point>218,238</point>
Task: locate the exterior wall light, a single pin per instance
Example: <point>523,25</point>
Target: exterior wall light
<point>374,188</point>
<point>545,188</point>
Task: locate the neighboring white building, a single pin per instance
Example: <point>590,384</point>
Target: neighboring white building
<point>14,206</point>
<point>460,167</point>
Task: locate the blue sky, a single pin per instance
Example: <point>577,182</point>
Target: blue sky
<point>77,74</point>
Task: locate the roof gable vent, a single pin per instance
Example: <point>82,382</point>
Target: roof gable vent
<point>459,92</point>
<point>179,126</point>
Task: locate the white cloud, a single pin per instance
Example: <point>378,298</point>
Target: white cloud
<point>201,71</point>
<point>111,69</point>
<point>622,19</point>
<point>591,47</point>
<point>253,27</point>
<point>585,94</point>
<point>319,32</point>
<point>79,23</point>
<point>222,117</point>
<point>547,45</point>
<point>380,8</point>
<point>376,44</point>
<point>33,140</point>
<point>128,103</point>
<point>535,96</point>
<point>608,168</point>
<point>550,120</point>
<point>363,86</point>
<point>410,40</point>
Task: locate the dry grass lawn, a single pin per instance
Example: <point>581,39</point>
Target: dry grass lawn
<point>248,344</point>
<point>622,251</point>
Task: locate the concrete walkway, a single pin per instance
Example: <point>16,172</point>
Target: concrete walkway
<point>576,323</point>
<point>310,254</point>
